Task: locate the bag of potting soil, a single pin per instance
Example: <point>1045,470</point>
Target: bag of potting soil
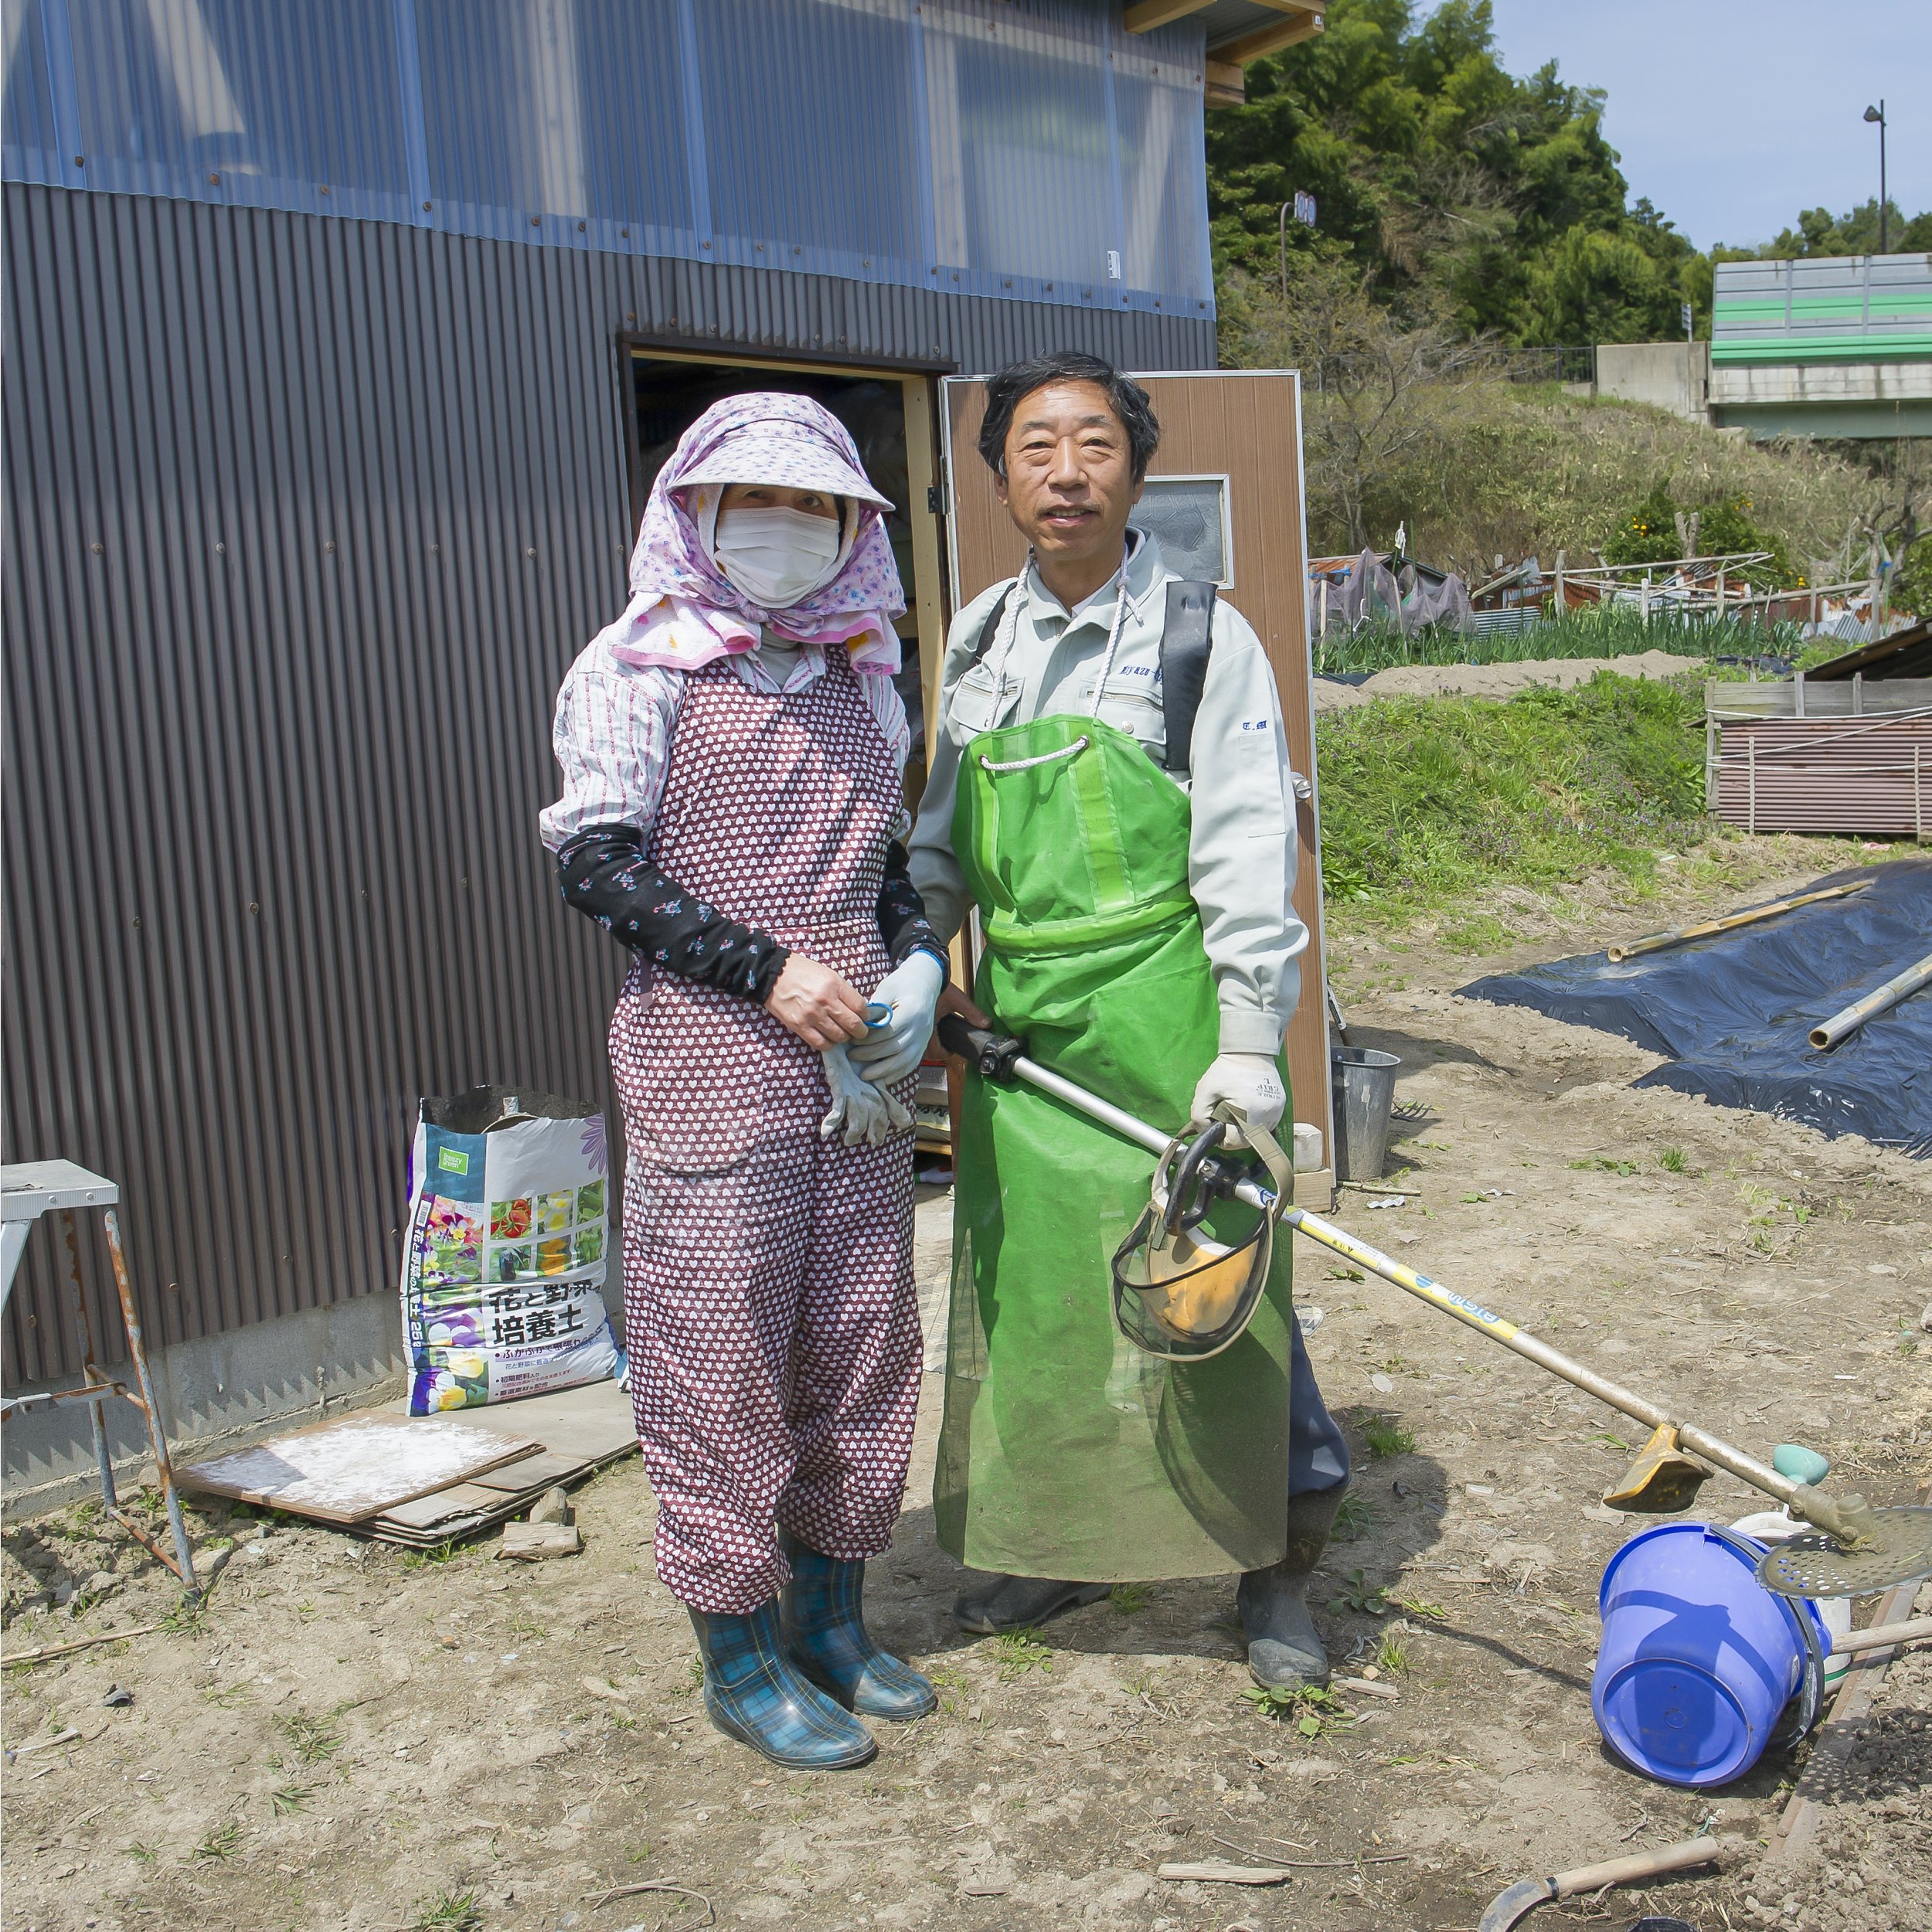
<point>504,1264</point>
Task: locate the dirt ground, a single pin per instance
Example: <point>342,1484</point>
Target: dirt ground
<point>350,1737</point>
<point>1494,680</point>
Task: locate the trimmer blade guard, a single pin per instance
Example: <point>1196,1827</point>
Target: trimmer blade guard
<point>1177,1292</point>
<point>1900,1552</point>
<point>1663,1480</point>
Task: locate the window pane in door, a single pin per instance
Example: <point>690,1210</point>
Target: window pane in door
<point>1187,517</point>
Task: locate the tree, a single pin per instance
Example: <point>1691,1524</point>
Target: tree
<point>1372,390</point>
<point>1819,232</point>
<point>1455,190</point>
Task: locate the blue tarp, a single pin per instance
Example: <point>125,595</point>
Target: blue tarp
<point>1734,1013</point>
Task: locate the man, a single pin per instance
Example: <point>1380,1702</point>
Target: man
<point>1134,897</point>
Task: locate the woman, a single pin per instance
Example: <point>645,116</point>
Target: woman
<point>733,750</point>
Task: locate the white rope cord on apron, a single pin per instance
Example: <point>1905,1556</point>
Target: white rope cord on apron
<point>1073,750</point>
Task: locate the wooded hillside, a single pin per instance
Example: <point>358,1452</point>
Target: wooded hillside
<point>1459,192</point>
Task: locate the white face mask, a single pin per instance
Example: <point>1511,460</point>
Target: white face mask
<point>776,557</point>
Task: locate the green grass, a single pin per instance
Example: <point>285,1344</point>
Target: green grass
<point>223,1842</point>
<point>1618,632</point>
<point>1355,1518</point>
<point>1426,802</point>
<point>443,1553</point>
<point>448,1912</point>
<point>1672,1161</point>
<point>313,1740</point>
<point>1386,1437</point>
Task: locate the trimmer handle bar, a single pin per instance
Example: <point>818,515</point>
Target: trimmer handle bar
<point>995,1055</point>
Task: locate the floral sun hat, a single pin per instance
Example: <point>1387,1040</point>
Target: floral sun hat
<point>684,612</point>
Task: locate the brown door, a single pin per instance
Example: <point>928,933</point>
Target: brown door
<point>1224,499</point>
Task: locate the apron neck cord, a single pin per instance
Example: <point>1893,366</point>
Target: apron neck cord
<point>1009,629</point>
<point>1113,638</point>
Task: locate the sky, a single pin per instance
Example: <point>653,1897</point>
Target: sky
<point>1732,115</point>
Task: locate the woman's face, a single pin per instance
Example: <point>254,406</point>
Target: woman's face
<point>775,496</point>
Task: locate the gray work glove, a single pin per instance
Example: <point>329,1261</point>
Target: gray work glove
<point>859,1111</point>
<point>893,1048</point>
<point>1249,1082</point>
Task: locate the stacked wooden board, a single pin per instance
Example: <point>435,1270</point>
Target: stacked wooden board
<point>425,1481</point>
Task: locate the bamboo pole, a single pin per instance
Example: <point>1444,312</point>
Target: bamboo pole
<point>1881,999</point>
<point>1679,935</point>
<point>1915,1630</point>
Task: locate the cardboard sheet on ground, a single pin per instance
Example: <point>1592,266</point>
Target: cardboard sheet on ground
<point>591,1423</point>
<point>1734,1012</point>
<point>358,1466</point>
<point>582,1429</point>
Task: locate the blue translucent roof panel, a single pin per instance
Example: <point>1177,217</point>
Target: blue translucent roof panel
<point>1032,148</point>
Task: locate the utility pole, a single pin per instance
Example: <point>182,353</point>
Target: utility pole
<point>1877,114</point>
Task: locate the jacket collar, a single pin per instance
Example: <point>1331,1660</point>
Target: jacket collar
<point>1144,572</point>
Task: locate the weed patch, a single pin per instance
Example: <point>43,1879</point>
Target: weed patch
<point>448,1912</point>
<point>1427,801</point>
<point>313,1739</point>
<point>1386,1437</point>
<point>1312,1708</point>
<point>1018,1651</point>
<point>1365,1599</point>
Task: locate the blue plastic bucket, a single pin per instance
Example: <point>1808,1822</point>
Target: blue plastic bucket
<point>1699,1659</point>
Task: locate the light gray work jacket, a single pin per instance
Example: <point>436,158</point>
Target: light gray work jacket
<point>1241,850</point>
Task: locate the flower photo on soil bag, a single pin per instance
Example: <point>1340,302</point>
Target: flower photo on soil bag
<point>507,1250</point>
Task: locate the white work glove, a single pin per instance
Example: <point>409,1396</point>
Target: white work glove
<point>859,1112</point>
<point>1250,1083</point>
<point>895,1046</point>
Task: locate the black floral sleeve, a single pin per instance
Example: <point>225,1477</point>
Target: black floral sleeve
<point>603,873</point>
<point>902,923</point>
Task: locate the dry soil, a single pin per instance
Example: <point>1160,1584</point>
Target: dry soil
<point>350,1737</point>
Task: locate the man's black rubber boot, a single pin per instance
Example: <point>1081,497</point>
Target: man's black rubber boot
<point>1284,1650</point>
<point>1020,1603</point>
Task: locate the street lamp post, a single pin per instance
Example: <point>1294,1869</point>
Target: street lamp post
<point>1878,114</point>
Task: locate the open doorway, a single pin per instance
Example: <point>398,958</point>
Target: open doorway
<point>890,417</point>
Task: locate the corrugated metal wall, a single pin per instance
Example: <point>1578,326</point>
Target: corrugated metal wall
<point>1033,148</point>
<point>305,519</point>
<point>1842,777</point>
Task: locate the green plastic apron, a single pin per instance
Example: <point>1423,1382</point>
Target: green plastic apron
<point>1066,1451</point>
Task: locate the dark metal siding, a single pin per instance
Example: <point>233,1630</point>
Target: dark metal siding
<point>305,518</point>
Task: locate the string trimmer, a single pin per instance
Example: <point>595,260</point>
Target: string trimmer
<point>1860,1549</point>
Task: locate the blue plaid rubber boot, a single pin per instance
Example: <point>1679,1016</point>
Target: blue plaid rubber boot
<point>754,1695</point>
<point>825,1636</point>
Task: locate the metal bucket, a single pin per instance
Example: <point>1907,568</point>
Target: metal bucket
<point>1364,1083</point>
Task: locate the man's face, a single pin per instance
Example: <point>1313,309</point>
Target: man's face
<point>1069,484</point>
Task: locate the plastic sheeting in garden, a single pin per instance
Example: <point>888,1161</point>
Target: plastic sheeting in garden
<point>1734,1012</point>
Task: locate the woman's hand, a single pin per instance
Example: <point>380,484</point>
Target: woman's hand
<point>815,1003</point>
